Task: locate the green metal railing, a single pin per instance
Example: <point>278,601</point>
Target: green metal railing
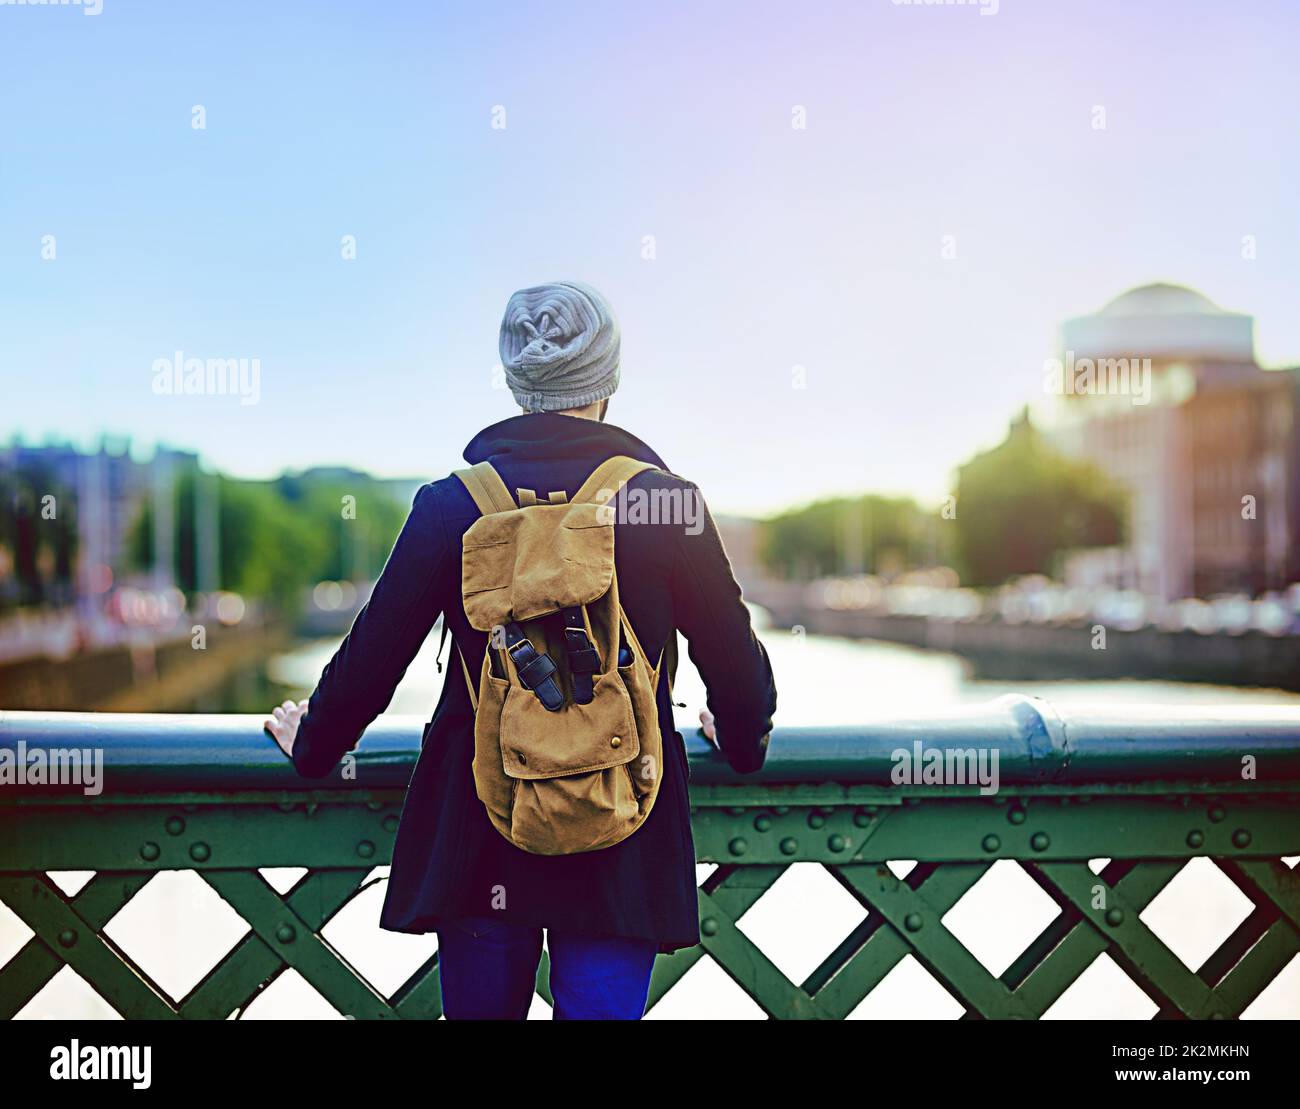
<point>1146,790</point>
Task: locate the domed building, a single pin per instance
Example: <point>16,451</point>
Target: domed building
<point>1162,391</point>
<point>1166,322</point>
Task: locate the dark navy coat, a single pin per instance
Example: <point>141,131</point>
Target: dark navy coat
<point>448,860</point>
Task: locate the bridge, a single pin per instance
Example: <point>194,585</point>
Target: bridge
<point>1102,810</point>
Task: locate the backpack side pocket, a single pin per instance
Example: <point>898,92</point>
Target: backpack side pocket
<point>494,789</point>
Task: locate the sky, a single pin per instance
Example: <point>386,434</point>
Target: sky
<point>791,325</point>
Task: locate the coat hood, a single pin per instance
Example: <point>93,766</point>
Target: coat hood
<point>552,436</point>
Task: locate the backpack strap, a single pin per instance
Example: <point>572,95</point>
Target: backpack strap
<point>469,682</point>
<point>487,488</point>
<point>584,659</point>
<point>613,473</point>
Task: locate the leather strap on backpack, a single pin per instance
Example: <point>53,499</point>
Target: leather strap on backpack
<point>535,668</point>
<point>584,659</point>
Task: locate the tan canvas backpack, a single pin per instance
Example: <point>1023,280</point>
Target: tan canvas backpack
<point>567,748</point>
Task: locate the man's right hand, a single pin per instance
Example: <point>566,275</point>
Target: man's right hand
<point>282,724</point>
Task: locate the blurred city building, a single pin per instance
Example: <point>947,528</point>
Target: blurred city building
<point>1167,397</point>
<point>107,486</point>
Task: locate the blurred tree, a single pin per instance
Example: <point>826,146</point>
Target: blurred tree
<point>280,536</point>
<point>847,535</point>
<point>1021,504</point>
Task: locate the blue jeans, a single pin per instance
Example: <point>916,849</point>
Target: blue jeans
<point>488,968</point>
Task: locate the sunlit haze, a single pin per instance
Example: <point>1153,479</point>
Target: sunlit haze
<point>652,155</point>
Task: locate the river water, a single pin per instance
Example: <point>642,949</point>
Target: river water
<point>177,927</point>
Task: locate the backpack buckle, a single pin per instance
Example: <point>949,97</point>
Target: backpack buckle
<point>535,669</point>
<point>584,659</point>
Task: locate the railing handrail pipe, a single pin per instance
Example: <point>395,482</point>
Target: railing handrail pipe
<point>1036,744</point>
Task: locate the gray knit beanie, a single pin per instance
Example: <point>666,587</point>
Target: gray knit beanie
<point>559,346</point>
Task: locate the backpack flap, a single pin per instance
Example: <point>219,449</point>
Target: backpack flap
<point>529,563</point>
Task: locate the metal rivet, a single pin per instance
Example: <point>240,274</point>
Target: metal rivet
<point>1241,838</point>
<point>709,926</point>
<point>1195,838</point>
<point>1039,841</point>
<point>990,843</point>
<point>1114,917</point>
<point>390,823</point>
<point>789,845</point>
<point>175,825</point>
<point>815,819</point>
<point>837,842</point>
<point>736,810</point>
<point>150,851</point>
<point>1216,814</point>
<point>285,933</point>
<point>862,818</point>
<point>365,849</point>
<point>912,922</point>
<point>1016,815</point>
<point>617,741</point>
<point>738,846</point>
<point>67,937</point>
<point>200,852</point>
<point>762,822</point>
